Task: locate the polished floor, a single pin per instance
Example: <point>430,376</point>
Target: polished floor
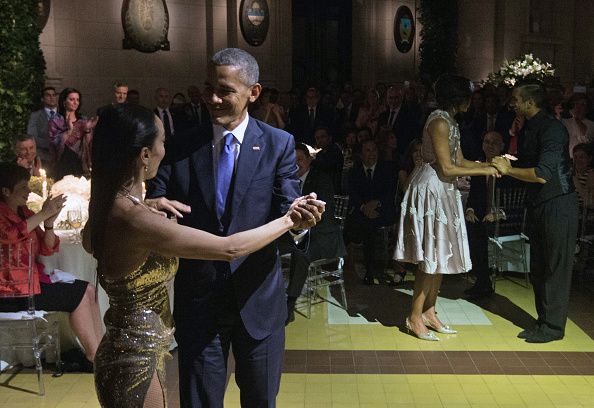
<point>364,358</point>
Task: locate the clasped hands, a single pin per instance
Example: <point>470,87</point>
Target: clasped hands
<point>502,164</point>
<point>306,211</point>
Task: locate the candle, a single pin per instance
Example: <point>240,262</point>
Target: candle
<point>43,183</point>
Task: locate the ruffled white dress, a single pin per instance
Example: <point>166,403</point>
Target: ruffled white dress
<point>432,231</point>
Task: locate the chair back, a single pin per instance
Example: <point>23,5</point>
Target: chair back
<point>16,271</point>
<point>510,204</point>
<point>341,208</point>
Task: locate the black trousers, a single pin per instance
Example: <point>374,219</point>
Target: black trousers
<point>553,232</point>
<point>375,244</point>
<point>478,243</point>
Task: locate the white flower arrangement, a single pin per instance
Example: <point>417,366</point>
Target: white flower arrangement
<point>527,67</point>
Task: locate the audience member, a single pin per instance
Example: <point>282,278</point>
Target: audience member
<point>583,175</point>
<point>371,208</point>
<point>398,118</point>
<point>307,117</point>
<point>325,239</point>
<point>580,129</point>
<point>18,223</point>
<point>268,110</point>
<point>26,153</point>
<point>369,112</point>
<point>120,95</point>
<point>38,128</point>
<point>195,112</point>
<point>71,135</point>
<point>133,97</point>
<point>329,159</point>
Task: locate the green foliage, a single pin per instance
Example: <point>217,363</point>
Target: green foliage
<point>21,69</point>
<point>439,38</point>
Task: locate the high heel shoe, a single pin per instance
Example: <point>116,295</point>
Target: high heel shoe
<point>443,329</point>
<point>429,336</point>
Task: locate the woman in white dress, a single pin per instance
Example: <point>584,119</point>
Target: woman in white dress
<point>432,232</point>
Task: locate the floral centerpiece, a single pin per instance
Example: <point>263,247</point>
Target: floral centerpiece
<point>77,191</point>
<point>527,67</point>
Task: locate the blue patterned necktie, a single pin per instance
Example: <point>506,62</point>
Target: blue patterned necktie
<point>225,173</point>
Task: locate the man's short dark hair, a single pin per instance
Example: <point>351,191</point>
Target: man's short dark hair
<point>245,63</point>
<point>47,88</point>
<point>535,91</point>
<point>119,84</point>
<point>303,148</point>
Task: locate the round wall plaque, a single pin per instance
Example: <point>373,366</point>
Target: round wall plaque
<point>254,21</point>
<point>404,29</point>
<point>146,24</point>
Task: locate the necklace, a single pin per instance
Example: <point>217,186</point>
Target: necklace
<point>134,199</point>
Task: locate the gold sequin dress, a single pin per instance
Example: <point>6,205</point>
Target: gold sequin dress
<point>139,330</point>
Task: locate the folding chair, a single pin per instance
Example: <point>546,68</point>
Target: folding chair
<point>509,242</point>
<point>17,281</point>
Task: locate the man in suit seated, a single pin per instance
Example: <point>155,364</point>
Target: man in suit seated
<point>330,158</point>
<point>372,188</point>
<point>38,128</point>
<point>325,239</point>
<point>398,118</point>
<point>480,217</point>
<point>306,118</point>
<point>26,152</point>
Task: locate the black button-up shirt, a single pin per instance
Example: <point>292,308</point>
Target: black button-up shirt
<point>544,145</point>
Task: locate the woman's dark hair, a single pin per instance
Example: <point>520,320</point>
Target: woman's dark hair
<point>409,162</point>
<point>11,174</point>
<point>121,133</point>
<point>303,148</point>
<point>452,91</point>
<point>62,99</point>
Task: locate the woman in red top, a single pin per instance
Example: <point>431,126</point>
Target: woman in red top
<point>18,223</point>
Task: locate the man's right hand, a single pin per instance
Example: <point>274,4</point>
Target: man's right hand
<point>163,205</point>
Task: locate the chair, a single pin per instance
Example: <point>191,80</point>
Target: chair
<point>509,242</point>
<point>17,281</point>
<point>327,271</point>
<point>584,254</point>
<point>341,208</point>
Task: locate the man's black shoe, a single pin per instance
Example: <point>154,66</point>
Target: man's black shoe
<point>538,336</point>
<point>527,332</point>
<point>290,317</point>
<point>290,310</point>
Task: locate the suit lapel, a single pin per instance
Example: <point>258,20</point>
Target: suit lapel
<point>203,170</point>
<point>251,152</point>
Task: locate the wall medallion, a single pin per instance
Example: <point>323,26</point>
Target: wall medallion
<point>254,21</point>
<point>404,29</point>
<point>146,23</point>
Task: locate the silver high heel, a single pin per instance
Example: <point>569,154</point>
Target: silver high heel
<point>429,336</point>
<point>443,329</point>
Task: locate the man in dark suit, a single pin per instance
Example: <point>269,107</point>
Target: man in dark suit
<point>38,128</point>
<point>120,95</point>
<point>195,111</point>
<point>552,209</point>
<point>306,118</point>
<point>398,118</point>
<point>372,188</point>
<point>330,158</point>
<point>325,239</point>
<point>236,177</point>
<point>480,216</point>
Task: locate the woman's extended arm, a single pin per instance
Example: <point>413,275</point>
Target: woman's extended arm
<point>439,131</point>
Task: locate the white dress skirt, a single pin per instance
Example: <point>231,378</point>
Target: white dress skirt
<point>432,231</point>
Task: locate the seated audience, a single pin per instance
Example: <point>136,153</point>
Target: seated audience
<point>18,223</point>
<point>71,136</point>
<point>329,159</point>
<point>583,175</point>
<point>580,129</point>
<point>481,214</point>
<point>371,208</point>
<point>268,110</point>
<point>325,239</point>
<point>26,153</point>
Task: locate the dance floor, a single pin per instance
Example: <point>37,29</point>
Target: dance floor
<point>364,358</point>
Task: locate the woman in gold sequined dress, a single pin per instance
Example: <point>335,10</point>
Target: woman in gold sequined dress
<point>136,248</point>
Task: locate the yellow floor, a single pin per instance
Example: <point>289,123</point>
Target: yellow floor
<point>378,390</point>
